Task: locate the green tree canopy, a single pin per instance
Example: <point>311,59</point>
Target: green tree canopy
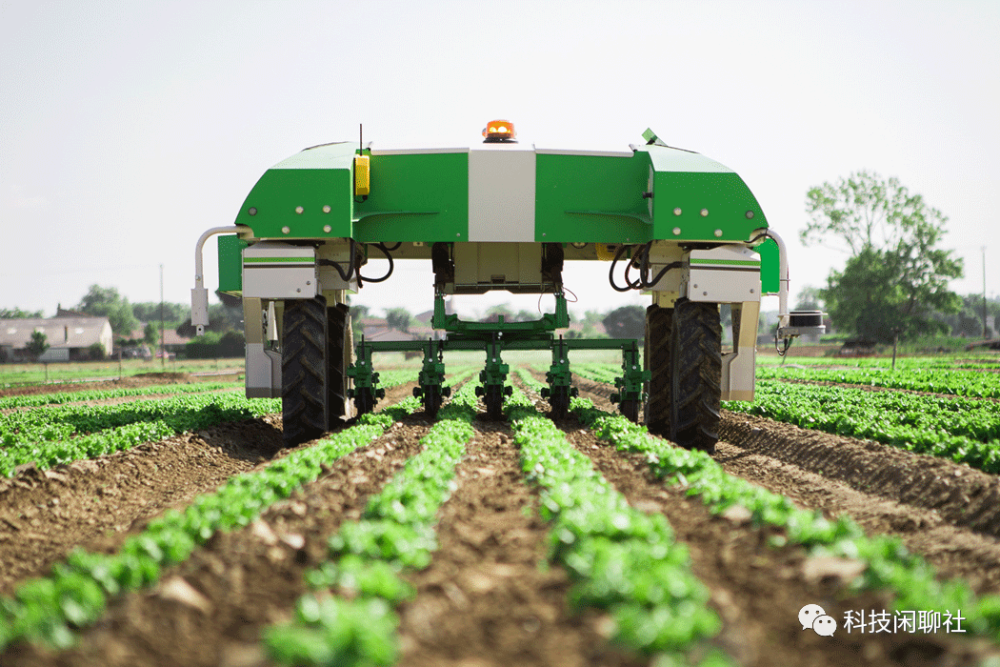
<point>107,302</point>
<point>149,311</point>
<point>38,344</point>
<point>398,318</point>
<point>896,274</point>
<point>626,322</point>
<point>16,313</point>
<point>493,313</point>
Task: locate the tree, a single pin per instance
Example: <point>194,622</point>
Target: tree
<point>896,275</point>
<point>493,313</point>
<point>38,344</point>
<point>359,312</point>
<point>151,334</point>
<point>149,311</point>
<point>107,302</point>
<point>626,322</point>
<point>810,298</point>
<point>16,313</point>
<point>398,318</point>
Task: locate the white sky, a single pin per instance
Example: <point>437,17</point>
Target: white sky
<point>128,128</point>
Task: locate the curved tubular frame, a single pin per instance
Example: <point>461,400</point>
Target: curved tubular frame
<point>199,295</point>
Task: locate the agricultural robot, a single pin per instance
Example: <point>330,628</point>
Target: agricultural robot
<point>502,215</point>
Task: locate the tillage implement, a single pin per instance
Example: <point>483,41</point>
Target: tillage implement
<point>502,215</point>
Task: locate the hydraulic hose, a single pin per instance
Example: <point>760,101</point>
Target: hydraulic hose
<point>388,256</point>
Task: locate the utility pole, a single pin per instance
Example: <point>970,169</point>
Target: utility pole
<point>985,336</point>
<point>163,349</point>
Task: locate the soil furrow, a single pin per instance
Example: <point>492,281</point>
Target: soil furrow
<point>484,600</point>
<point>114,401</point>
<point>957,494</point>
<point>758,590</point>
<point>210,609</point>
<point>97,503</point>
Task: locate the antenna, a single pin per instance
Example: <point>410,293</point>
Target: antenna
<point>361,138</point>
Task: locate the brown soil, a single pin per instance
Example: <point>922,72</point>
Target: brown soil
<point>241,580</point>
<point>484,600</point>
<point>112,401</point>
<point>96,504</point>
<point>735,561</point>
<point>129,382</point>
<point>867,387</point>
<point>948,512</point>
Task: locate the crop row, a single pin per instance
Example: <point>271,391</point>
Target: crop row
<point>964,430</point>
<point>969,363</point>
<point>969,385</point>
<point>888,564</point>
<point>620,559</point>
<point>598,372</point>
<point>31,439</point>
<point>50,436</point>
<point>396,532</point>
<point>75,593</point>
<point>38,400</point>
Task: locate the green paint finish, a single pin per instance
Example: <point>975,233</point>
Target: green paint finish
<point>591,199</point>
<point>677,160</point>
<point>415,197</point>
<point>727,262</point>
<point>692,183</point>
<point>231,264</point>
<point>279,194</point>
<point>280,260</point>
<point>723,195</point>
<point>769,267</point>
<point>315,178</point>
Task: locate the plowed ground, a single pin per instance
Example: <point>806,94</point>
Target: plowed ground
<point>484,600</point>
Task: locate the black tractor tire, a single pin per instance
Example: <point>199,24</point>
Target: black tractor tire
<point>559,402</point>
<point>494,402</point>
<point>339,349</point>
<point>304,370</point>
<point>657,359</point>
<point>432,401</point>
<point>696,387</point>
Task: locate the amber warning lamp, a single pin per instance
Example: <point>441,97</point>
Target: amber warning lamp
<point>497,131</point>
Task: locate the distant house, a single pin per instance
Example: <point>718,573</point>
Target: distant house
<point>69,335</point>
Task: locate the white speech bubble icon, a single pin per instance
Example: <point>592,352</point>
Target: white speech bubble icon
<point>825,626</point>
<point>810,613</point>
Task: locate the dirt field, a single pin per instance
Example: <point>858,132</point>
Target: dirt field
<point>484,600</point>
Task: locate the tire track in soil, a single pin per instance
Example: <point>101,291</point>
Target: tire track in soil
<point>210,609</point>
<point>97,503</point>
<point>947,512</point>
<point>757,589</point>
<point>484,600</point>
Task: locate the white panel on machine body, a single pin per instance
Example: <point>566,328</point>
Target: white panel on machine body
<point>502,193</point>
<point>738,365</point>
<point>263,366</point>
<point>273,270</point>
<point>727,274</point>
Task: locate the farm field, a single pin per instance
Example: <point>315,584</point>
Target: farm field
<point>532,542</point>
<point>15,377</point>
